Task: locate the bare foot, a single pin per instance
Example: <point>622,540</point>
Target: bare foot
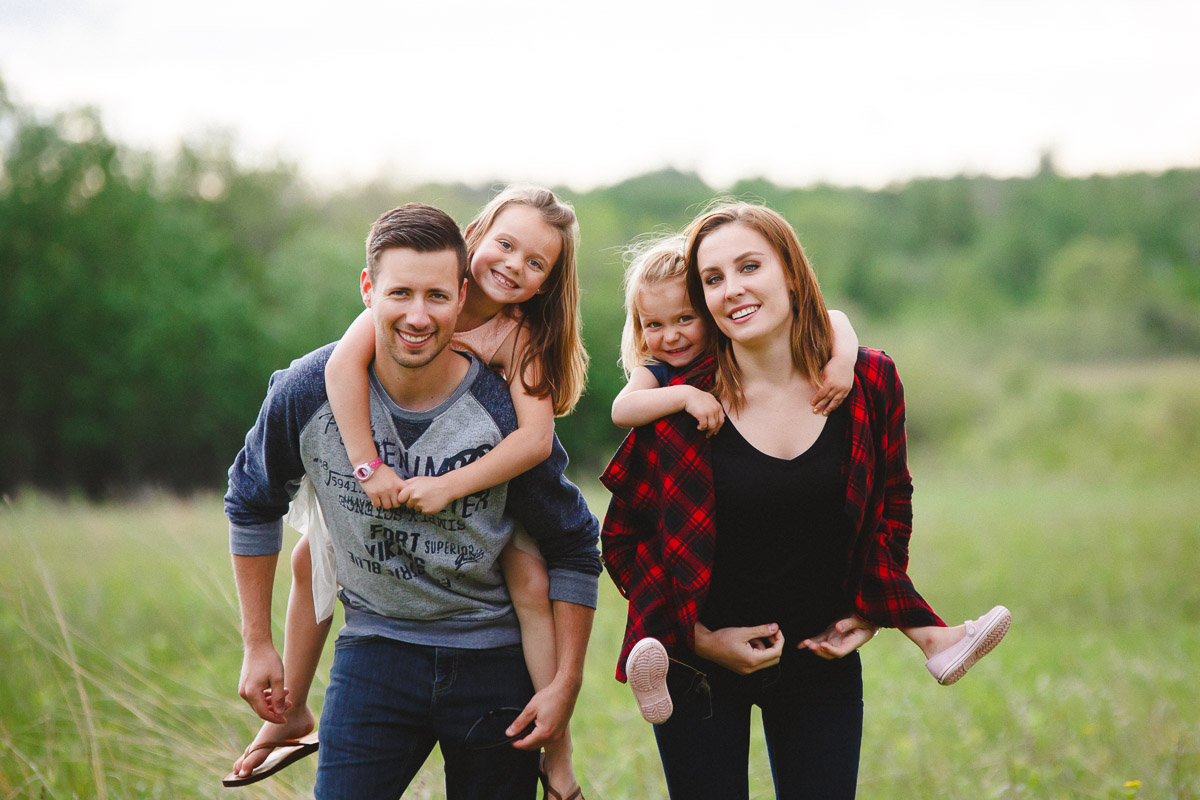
<point>300,722</point>
<point>556,764</point>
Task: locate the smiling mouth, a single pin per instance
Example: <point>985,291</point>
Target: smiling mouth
<point>679,350</point>
<point>413,338</point>
<point>743,312</point>
<point>503,281</point>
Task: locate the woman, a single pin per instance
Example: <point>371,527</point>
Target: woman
<point>765,556</point>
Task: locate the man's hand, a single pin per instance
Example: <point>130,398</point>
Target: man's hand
<point>549,710</point>
<point>841,638</point>
<point>742,650</point>
<point>261,683</point>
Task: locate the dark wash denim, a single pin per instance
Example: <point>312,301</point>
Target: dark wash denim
<point>812,714</point>
<point>389,702</point>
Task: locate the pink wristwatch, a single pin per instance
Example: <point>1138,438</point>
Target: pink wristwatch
<point>364,471</point>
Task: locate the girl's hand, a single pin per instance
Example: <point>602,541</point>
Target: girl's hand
<point>706,409</point>
<point>742,650</point>
<point>837,379</point>
<point>428,494</point>
<point>383,487</point>
<point>841,638</point>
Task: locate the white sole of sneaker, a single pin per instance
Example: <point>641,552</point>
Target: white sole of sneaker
<point>646,669</point>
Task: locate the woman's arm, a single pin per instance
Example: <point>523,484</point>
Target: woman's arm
<point>350,399</point>
<point>519,451</point>
<point>643,401</point>
<point>838,376</point>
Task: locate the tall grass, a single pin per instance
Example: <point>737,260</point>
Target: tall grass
<point>118,678</point>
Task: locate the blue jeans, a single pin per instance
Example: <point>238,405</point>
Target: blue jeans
<point>812,714</point>
<point>389,702</point>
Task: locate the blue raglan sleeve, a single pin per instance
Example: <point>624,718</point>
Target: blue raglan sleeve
<point>551,508</point>
<point>557,517</point>
<point>267,471</point>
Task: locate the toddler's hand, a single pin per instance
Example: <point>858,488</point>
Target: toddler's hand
<point>383,488</point>
<point>837,381</point>
<point>428,494</point>
<point>706,409</point>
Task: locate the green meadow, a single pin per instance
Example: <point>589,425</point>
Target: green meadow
<point>118,678</point>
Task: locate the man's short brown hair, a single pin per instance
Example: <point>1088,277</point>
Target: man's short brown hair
<point>418,227</point>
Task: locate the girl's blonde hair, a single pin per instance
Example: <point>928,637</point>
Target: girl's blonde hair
<point>811,333</point>
<point>555,355</point>
<point>652,258</point>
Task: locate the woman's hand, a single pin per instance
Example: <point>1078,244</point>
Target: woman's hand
<point>741,650</point>
<point>841,638</point>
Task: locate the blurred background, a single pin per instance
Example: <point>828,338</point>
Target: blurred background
<point>1004,197</point>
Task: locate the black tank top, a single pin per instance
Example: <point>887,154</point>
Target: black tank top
<point>783,536</point>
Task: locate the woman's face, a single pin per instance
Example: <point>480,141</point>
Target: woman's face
<point>745,288</point>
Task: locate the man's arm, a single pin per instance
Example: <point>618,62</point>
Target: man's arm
<point>262,669</point>
<point>552,707</point>
<point>261,484</point>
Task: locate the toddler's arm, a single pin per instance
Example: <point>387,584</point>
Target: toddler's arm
<point>643,401</point>
<point>519,451</point>
<point>350,398</point>
<point>837,379</point>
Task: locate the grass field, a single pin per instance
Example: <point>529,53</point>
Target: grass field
<point>121,660</point>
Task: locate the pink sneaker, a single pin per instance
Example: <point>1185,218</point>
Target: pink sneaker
<point>983,634</point>
<point>646,668</point>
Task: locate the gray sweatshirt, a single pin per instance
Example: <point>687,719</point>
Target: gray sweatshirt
<point>426,579</point>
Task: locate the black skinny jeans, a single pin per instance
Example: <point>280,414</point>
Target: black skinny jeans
<point>812,714</point>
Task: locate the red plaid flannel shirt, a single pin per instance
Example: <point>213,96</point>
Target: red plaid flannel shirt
<point>659,534</point>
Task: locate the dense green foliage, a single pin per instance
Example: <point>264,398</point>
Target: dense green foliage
<point>143,304</point>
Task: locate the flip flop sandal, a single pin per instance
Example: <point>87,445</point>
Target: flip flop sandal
<point>286,752</point>
<point>548,791</point>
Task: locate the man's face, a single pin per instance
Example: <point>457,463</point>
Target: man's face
<point>415,299</point>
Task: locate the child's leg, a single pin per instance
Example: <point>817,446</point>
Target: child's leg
<point>933,639</point>
<point>950,652</point>
<point>302,644</point>
<point>529,585</point>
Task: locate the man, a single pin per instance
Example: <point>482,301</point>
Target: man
<point>431,651</point>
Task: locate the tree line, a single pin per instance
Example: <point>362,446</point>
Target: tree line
<point>145,301</point>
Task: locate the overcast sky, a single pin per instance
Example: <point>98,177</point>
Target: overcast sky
<point>586,94</point>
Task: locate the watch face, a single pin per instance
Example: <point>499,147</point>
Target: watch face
<point>363,472</point>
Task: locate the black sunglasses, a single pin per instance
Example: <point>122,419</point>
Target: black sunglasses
<point>489,730</point>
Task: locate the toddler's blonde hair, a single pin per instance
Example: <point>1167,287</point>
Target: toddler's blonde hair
<point>651,259</point>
